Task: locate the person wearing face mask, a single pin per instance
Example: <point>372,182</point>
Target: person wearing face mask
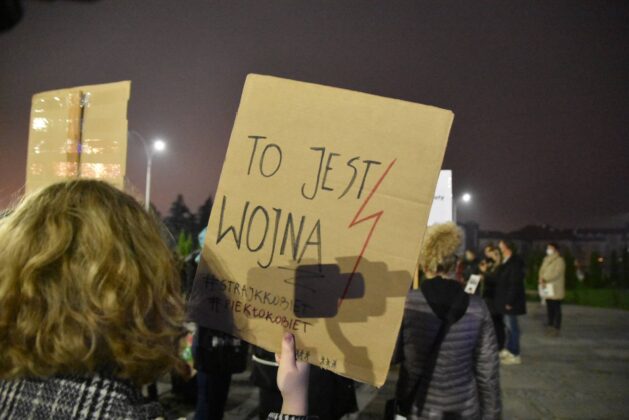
<point>552,279</point>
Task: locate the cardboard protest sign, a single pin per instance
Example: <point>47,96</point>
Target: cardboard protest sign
<point>316,228</point>
<point>78,132</point>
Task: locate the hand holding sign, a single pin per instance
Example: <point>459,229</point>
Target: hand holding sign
<point>292,379</point>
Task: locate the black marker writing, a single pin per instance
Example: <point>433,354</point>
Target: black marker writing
<point>272,167</point>
<point>324,171</point>
<point>262,229</point>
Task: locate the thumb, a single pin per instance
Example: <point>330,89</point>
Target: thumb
<point>288,350</point>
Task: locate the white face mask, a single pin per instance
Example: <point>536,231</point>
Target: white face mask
<point>550,251</point>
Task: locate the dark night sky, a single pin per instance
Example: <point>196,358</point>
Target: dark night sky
<point>540,90</point>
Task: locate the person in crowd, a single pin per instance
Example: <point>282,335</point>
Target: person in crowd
<point>458,271</point>
<point>450,364</point>
<point>552,279</point>
<point>330,396</point>
<point>92,309</point>
<point>178,378</point>
<point>470,264</point>
<point>489,269</point>
<point>492,257</point>
<point>510,300</point>
<point>217,356</point>
<point>184,384</point>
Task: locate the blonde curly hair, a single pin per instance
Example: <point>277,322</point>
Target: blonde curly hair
<point>438,249</point>
<point>87,285</point>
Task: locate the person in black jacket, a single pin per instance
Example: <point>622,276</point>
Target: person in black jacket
<point>470,266</point>
<point>217,355</point>
<point>489,268</point>
<point>510,300</point>
<point>450,364</point>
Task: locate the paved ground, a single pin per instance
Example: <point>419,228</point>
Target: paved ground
<point>584,374</point>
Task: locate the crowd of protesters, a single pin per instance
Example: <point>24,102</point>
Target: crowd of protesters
<point>502,273</point>
<point>93,309</point>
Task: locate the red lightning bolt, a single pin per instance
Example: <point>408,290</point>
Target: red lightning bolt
<point>359,219</point>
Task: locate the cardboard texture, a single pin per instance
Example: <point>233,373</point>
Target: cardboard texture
<point>78,132</point>
<point>321,207</point>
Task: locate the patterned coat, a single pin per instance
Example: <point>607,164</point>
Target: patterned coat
<point>74,397</point>
<point>81,397</point>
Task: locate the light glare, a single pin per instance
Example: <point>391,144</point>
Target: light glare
<point>159,145</point>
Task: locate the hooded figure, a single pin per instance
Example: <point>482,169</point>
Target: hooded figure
<point>450,366</point>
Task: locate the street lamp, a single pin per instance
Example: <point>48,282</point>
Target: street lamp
<point>157,146</point>
<point>465,198</point>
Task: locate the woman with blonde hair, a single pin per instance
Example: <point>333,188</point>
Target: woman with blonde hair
<point>450,366</point>
<point>91,308</point>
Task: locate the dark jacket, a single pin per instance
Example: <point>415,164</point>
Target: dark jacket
<point>217,352</point>
<point>214,351</point>
<point>510,287</point>
<point>469,268</point>
<point>330,396</point>
<point>465,378</point>
<point>490,280</point>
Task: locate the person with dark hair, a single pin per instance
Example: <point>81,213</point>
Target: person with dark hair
<point>552,278</point>
<point>489,269</point>
<point>492,259</point>
<point>470,265</point>
<point>450,364</point>
<point>510,300</point>
<point>217,356</point>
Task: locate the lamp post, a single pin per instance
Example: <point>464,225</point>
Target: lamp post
<point>157,146</point>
